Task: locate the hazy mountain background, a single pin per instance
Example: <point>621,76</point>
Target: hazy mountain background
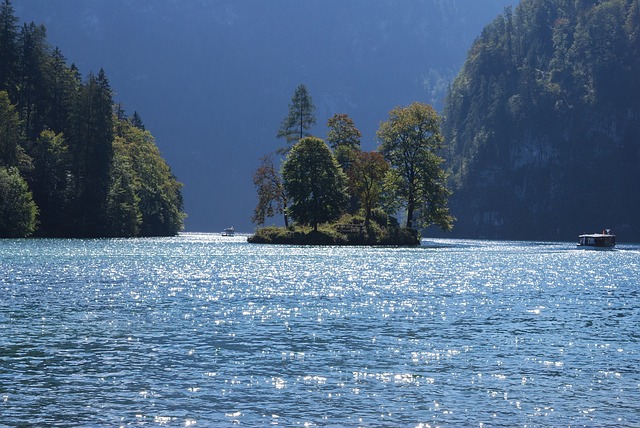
<point>212,79</point>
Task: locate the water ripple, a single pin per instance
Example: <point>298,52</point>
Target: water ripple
<point>204,330</point>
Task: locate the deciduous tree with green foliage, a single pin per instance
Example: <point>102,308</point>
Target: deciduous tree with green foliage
<point>314,183</point>
<point>17,210</point>
<point>124,217</point>
<point>343,132</point>
<point>344,138</point>
<point>300,119</point>
<point>366,176</point>
<point>143,188</point>
<point>411,140</point>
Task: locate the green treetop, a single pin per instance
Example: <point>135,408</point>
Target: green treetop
<point>17,210</point>
<point>344,138</point>
<point>343,132</point>
<point>314,183</point>
<point>410,141</point>
<point>366,177</point>
<point>144,197</point>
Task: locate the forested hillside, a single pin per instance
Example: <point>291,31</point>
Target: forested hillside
<point>543,123</point>
<point>71,162</point>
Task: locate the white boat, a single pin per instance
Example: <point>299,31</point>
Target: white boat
<point>597,241</point>
<point>229,231</point>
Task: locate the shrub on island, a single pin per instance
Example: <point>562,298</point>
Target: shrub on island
<point>349,230</point>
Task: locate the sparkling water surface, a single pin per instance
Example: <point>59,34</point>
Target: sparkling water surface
<point>201,330</point>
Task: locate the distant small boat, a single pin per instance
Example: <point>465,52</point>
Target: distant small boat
<point>229,231</point>
<point>597,241</point>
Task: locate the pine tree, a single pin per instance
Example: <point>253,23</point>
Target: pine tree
<point>10,131</point>
<point>32,89</point>
<point>61,85</point>
<point>123,216</point>
<point>366,177</point>
<point>136,121</point>
<point>300,119</point>
<point>91,149</point>
<point>48,181</point>
<point>8,48</point>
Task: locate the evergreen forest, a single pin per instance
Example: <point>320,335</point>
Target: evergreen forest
<point>72,163</point>
<point>543,123</point>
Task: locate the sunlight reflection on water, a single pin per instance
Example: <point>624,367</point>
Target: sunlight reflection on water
<point>201,329</point>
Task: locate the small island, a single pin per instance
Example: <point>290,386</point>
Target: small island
<point>348,231</point>
<point>334,193</point>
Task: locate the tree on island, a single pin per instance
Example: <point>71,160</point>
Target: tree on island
<point>344,138</point>
<point>411,139</point>
<point>314,183</point>
<point>353,194</point>
<point>300,119</point>
<point>272,198</point>
<point>366,177</point>
<point>343,132</point>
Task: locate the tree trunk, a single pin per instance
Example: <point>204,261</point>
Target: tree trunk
<point>284,211</point>
<point>409,216</point>
<point>410,207</point>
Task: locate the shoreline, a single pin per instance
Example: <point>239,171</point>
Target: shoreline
<point>396,237</point>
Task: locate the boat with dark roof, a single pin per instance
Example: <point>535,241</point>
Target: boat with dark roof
<point>597,241</point>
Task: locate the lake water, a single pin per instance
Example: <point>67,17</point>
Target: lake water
<point>201,330</point>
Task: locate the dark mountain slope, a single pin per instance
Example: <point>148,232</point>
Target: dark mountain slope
<point>544,123</point>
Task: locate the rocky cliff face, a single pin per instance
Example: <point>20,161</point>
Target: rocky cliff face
<point>546,145</point>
